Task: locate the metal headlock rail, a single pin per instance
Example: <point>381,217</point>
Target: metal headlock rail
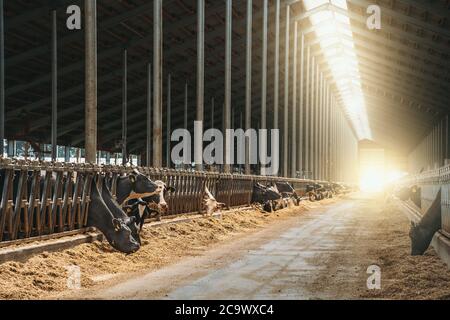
<point>43,198</point>
<point>430,183</point>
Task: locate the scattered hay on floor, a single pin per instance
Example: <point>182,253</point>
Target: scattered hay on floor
<point>405,276</point>
<point>45,275</point>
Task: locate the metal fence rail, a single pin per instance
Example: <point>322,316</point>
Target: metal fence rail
<point>42,198</point>
<point>430,183</point>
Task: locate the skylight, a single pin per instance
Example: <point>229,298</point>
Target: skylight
<point>336,41</point>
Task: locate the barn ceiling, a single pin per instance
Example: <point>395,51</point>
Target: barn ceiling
<point>404,68</point>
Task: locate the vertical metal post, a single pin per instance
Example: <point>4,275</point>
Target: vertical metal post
<point>286,96</point>
<point>316,125</point>
<point>227,110</point>
<point>186,93</point>
<point>91,80</point>
<point>312,114</point>
<point>294,105</point>
<point>319,126</point>
<point>248,85</point>
<point>67,154</point>
<point>124,107</point>
<point>327,135</point>
<point>212,112</point>
<point>308,113</point>
<point>168,119</point>
<point>2,80</point>
<point>277,64</point>
<point>157,83</point>
<point>301,108</point>
<point>198,151</point>
<point>263,124</point>
<point>54,86</point>
<point>447,139</point>
<point>149,115</point>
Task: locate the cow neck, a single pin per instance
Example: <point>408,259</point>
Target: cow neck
<point>124,188</point>
<point>100,216</point>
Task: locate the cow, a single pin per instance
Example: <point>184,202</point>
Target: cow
<point>210,204</point>
<point>266,196</point>
<point>143,208</point>
<point>413,193</point>
<point>314,191</point>
<point>422,233</point>
<point>135,186</point>
<point>287,191</point>
<point>115,230</point>
<point>118,213</point>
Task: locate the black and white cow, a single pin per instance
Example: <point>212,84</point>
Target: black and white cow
<point>144,208</point>
<point>422,233</point>
<point>267,196</point>
<point>314,191</point>
<point>116,230</point>
<point>135,186</point>
<point>287,191</point>
<point>118,213</point>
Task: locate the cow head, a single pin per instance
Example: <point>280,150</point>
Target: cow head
<point>142,186</point>
<point>210,204</point>
<point>160,197</point>
<point>122,239</point>
<point>419,244</point>
<point>272,193</point>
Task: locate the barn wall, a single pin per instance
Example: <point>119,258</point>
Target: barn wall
<point>433,151</point>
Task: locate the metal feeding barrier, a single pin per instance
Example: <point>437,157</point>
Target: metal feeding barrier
<point>43,198</point>
<point>430,183</point>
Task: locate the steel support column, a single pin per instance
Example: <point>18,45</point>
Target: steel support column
<point>212,112</point>
<point>277,65</point>
<point>312,114</point>
<point>263,124</point>
<point>157,83</point>
<point>90,7</point>
<point>186,96</point>
<point>149,116</point>
<point>316,124</point>
<point>301,108</point>
<point>168,119</point>
<point>227,109</point>
<point>286,96</point>
<point>248,85</point>
<point>294,105</point>
<point>320,154</point>
<point>54,87</point>
<point>308,113</point>
<point>198,151</point>
<point>124,106</point>
<point>2,80</point>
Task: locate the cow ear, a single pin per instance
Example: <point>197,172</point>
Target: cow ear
<point>117,224</point>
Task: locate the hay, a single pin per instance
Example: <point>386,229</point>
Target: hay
<point>45,275</point>
<point>405,276</point>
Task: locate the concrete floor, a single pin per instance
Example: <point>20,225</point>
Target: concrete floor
<point>322,254</point>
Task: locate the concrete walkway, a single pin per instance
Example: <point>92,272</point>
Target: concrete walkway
<point>323,254</point>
